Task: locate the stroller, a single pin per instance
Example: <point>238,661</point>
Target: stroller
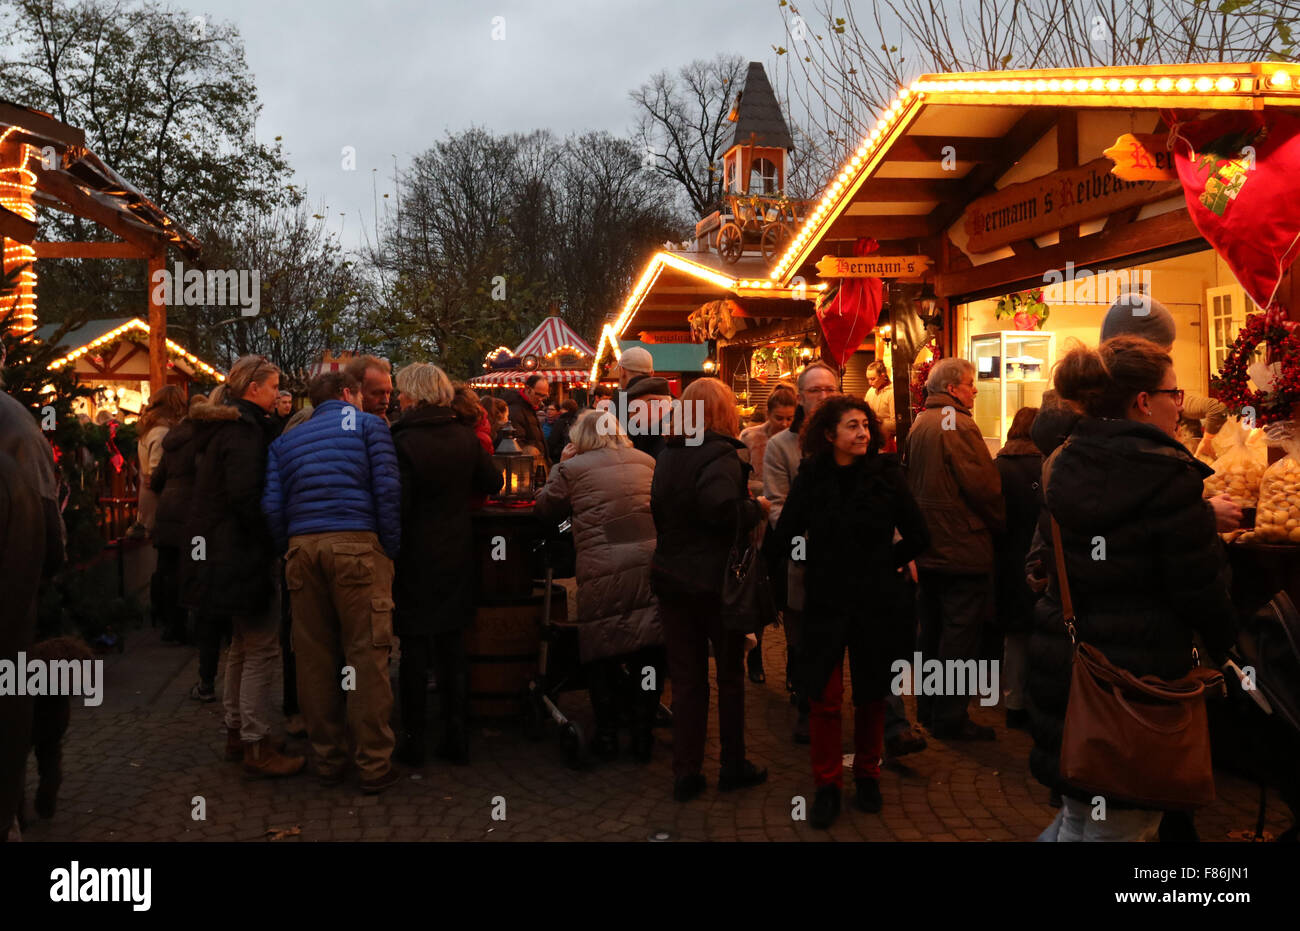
<point>1256,732</point>
<point>559,667</point>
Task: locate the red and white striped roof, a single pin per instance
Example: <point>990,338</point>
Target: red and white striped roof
<point>553,334</point>
<point>508,378</point>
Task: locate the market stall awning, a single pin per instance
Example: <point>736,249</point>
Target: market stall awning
<point>551,336</point>
<point>514,378</point>
<point>951,138</point>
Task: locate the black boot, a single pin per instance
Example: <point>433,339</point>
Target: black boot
<point>826,807</point>
<point>868,797</point>
<point>741,777</point>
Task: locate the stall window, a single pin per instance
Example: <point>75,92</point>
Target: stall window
<point>1227,308</point>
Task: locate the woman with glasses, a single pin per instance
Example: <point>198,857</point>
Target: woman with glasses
<point>1145,567</point>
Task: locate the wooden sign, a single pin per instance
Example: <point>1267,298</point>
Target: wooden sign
<point>665,336</point>
<point>873,266</point>
<point>1142,157</point>
<point>1056,200</point>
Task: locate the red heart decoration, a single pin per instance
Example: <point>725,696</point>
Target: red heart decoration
<point>1238,171</point>
<point>850,315</point>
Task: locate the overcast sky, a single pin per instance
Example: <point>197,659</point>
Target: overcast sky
<point>390,77</point>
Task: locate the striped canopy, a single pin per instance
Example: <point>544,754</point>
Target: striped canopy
<point>514,378</point>
<point>552,334</point>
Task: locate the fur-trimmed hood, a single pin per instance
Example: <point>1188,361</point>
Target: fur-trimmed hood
<point>207,411</point>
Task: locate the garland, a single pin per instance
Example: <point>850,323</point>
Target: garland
<point>1231,386</point>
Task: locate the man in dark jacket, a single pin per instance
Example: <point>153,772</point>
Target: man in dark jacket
<point>648,405</point>
<point>957,486</point>
<point>231,555</point>
<point>523,407</point>
<point>333,496</point>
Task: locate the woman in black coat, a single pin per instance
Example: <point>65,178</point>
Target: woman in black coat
<point>1145,566</point>
<point>1021,466</point>
<point>840,517</point>
<point>444,467</point>
<point>700,502</point>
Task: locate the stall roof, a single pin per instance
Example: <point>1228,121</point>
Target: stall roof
<point>79,182</point>
<point>552,335</point>
<point>673,284</point>
<point>948,138</point>
<point>514,378</point>
<point>89,336</point>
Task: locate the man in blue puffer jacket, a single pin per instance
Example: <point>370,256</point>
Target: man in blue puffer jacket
<point>333,498</point>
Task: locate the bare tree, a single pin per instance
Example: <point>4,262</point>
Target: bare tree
<point>842,67</point>
<point>683,127</point>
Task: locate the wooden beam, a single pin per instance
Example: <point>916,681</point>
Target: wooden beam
<point>88,250</point>
<point>932,149</point>
<point>849,226</point>
<point>1167,229</point>
<point>1012,147</point>
<point>157,325</point>
<point>893,190</point>
<point>76,201</point>
<point>16,227</point>
<point>42,125</point>
<point>1067,156</point>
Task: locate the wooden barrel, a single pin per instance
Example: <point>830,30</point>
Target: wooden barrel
<point>503,648</point>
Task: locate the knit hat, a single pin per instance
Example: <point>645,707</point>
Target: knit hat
<point>634,359</point>
<point>1139,315</point>
<point>647,384</point>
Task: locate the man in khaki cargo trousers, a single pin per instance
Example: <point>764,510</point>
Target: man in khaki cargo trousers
<point>333,497</point>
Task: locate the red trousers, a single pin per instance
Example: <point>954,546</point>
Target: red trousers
<point>824,728</point>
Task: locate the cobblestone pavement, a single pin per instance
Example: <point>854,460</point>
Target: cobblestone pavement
<point>134,764</point>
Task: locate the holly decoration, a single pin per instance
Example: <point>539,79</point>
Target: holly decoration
<point>1281,336</point>
<point>1026,309</point>
<point>919,376</point>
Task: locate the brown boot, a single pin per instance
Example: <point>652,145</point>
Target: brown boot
<point>262,759</point>
<point>235,746</point>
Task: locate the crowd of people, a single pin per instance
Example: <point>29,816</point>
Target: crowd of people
<point>318,540</point>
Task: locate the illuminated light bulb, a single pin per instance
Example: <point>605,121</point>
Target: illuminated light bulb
<point>1147,85</point>
<point>1225,84</point>
<point>1280,80</point>
<point>1165,85</point>
<point>1054,85</point>
<point>1097,84</point>
<point>1204,85</point>
<point>1113,85</point>
<point>1067,85</point>
<point>1129,85</point>
<point>1184,85</point>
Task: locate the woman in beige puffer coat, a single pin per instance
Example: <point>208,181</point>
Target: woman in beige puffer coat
<point>604,486</point>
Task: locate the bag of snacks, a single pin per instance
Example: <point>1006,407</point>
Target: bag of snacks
<point>1278,517</point>
<point>1239,468</point>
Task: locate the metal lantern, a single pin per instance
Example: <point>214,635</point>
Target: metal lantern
<point>515,466</point>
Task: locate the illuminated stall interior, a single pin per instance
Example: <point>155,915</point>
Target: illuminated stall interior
<point>112,356</point>
<point>553,349</point>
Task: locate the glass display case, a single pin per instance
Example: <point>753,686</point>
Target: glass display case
<point>1012,369</point>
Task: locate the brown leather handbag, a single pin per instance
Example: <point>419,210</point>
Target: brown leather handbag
<point>1143,741</point>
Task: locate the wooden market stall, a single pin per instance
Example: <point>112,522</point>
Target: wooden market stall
<point>45,163</point>
<point>112,356</point>
<point>1000,185</point>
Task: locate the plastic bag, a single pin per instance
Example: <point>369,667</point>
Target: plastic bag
<point>1278,517</point>
<point>1240,466</point>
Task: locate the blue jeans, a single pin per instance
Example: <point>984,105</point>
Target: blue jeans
<point>1074,822</point>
